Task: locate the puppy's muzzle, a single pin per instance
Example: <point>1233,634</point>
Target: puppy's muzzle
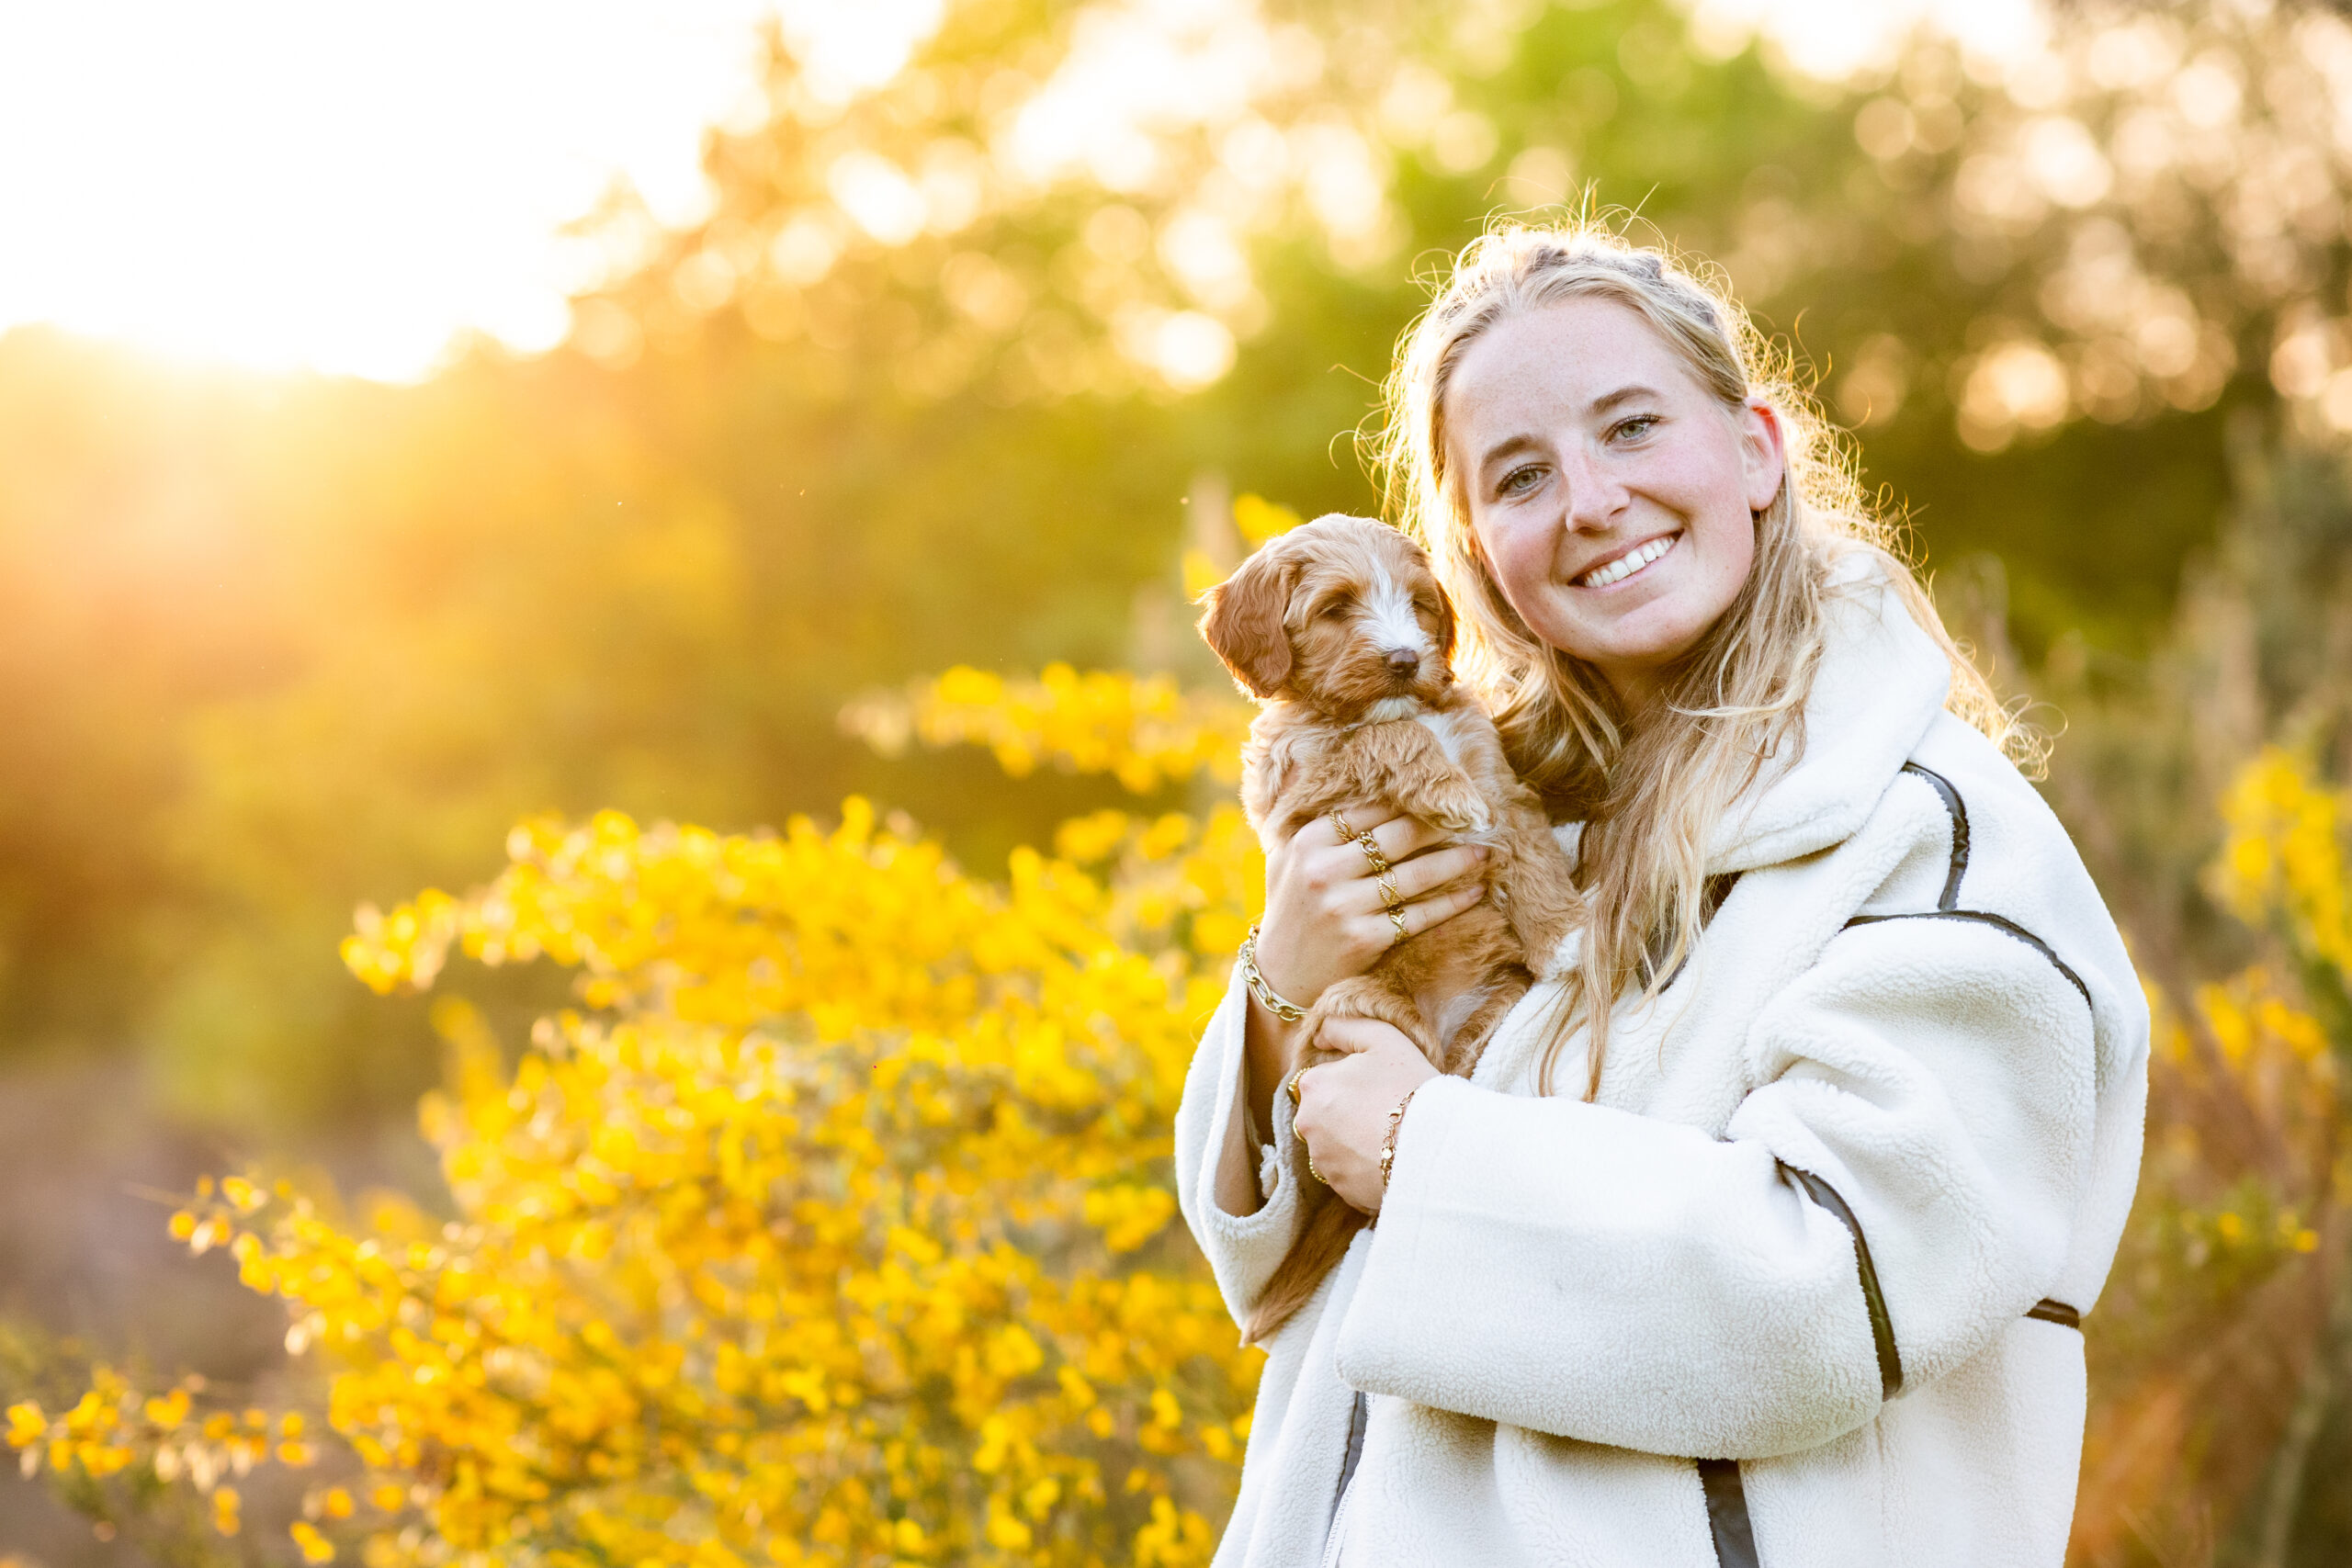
<point>1404,664</point>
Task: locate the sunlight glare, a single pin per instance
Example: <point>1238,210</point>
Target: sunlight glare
<point>318,183</point>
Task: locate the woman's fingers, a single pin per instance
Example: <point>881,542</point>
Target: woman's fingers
<point>1397,836</point>
<point>1400,837</point>
<point>1423,913</point>
<point>1439,868</point>
<point>1353,1034</point>
<point>1379,929</point>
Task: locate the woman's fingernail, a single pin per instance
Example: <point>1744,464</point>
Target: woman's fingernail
<point>1485,853</point>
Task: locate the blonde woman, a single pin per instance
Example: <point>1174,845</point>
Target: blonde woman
<point>1763,1231</point>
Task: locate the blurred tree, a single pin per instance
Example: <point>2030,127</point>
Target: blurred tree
<point>937,381</point>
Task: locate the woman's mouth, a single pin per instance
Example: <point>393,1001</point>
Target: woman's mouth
<point>1622,566</point>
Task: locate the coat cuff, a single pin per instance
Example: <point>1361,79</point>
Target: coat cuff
<point>1243,1250</point>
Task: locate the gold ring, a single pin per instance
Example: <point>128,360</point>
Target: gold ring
<point>1389,897</point>
<point>1341,822</point>
<point>1397,918</point>
<point>1293,1085</point>
<point>1371,848</point>
<point>1310,1166</point>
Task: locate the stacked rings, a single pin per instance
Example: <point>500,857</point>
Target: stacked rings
<point>1364,841</point>
<point>1384,875</point>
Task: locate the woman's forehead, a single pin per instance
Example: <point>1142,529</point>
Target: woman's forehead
<point>1567,361</point>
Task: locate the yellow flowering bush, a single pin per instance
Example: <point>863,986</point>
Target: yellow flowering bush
<point>2283,864</point>
<point>832,1225</point>
<point>1142,729</point>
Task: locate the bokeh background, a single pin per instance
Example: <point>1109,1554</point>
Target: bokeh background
<point>417,418</point>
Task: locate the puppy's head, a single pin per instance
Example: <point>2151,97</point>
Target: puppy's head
<point>1342,614</point>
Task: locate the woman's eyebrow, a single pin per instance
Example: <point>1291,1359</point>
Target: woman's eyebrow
<point>1508,445</point>
<point>1608,401</point>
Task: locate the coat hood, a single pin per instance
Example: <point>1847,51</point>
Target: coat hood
<point>1881,682</point>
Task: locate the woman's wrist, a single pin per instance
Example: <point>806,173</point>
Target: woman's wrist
<point>1277,964</point>
<point>1262,990</point>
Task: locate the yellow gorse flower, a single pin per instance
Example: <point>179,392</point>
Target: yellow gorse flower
<point>2284,859</point>
<point>834,1226</point>
<point>1142,729</point>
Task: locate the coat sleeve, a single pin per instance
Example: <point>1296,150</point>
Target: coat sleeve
<point>1596,1274</point>
<point>1243,1244</point>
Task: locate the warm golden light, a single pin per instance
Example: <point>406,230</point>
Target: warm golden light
<point>319,184</point>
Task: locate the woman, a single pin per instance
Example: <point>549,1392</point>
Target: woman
<point>1760,1233</point>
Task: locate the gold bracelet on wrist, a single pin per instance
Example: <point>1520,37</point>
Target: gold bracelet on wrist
<point>1269,998</point>
<point>1388,1144</point>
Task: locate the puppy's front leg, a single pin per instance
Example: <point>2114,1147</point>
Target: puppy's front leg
<point>1403,764</point>
<point>1372,996</point>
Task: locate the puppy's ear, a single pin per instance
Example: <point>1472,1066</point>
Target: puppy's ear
<point>1243,623</point>
<point>1444,622</point>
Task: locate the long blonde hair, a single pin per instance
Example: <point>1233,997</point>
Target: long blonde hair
<point>1649,795</point>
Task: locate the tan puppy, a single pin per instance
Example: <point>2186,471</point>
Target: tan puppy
<point>1341,628</point>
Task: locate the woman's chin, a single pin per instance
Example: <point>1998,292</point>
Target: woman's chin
<point>1642,634</point>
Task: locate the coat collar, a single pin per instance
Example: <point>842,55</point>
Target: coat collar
<point>1881,682</point>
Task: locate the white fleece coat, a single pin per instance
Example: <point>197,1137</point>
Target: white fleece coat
<point>1842,1185</point>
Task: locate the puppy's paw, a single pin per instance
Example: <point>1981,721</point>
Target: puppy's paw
<point>1462,812</point>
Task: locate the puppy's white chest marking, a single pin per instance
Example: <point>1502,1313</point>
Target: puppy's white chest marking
<point>1447,729</point>
<point>1393,620</point>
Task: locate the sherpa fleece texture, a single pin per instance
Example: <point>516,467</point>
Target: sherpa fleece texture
<point>1563,1304</point>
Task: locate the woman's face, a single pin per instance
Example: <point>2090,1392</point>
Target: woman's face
<point>1615,496</point>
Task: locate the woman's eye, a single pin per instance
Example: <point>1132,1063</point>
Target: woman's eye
<point>1634,429</point>
<point>1519,481</point>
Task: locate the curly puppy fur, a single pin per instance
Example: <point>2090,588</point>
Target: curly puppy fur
<point>1341,629</point>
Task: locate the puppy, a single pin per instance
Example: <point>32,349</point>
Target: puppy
<point>1341,629</point>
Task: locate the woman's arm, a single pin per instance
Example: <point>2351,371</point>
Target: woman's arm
<point>1585,1271</point>
<point>1325,920</point>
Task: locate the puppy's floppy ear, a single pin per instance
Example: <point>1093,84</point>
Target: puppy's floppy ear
<point>1243,623</point>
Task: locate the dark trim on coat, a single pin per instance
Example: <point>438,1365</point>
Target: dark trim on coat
<point>1728,1520</point>
<point>1890,1360</point>
<point>2058,1313</point>
<point>1998,922</point>
<point>1958,811</point>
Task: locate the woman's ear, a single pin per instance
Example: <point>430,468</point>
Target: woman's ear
<point>1764,457</point>
<point>1243,623</point>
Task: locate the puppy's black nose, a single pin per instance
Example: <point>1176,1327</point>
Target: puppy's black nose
<point>1403,662</point>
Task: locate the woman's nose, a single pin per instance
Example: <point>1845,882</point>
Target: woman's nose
<point>1592,498</point>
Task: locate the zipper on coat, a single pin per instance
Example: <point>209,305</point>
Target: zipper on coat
<point>1358,1414</point>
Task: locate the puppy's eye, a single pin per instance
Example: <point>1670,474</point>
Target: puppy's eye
<point>1336,610</point>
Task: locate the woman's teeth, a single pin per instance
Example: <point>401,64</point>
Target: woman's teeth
<point>1624,566</point>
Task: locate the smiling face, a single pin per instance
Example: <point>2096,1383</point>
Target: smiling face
<point>1613,494</point>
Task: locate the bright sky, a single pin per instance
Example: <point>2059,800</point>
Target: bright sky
<point>342,185</point>
<point>346,186</point>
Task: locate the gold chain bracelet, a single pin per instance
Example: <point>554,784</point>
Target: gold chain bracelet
<point>1270,999</point>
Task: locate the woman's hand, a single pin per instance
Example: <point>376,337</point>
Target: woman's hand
<point>1326,917</point>
<point>1343,1105</point>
